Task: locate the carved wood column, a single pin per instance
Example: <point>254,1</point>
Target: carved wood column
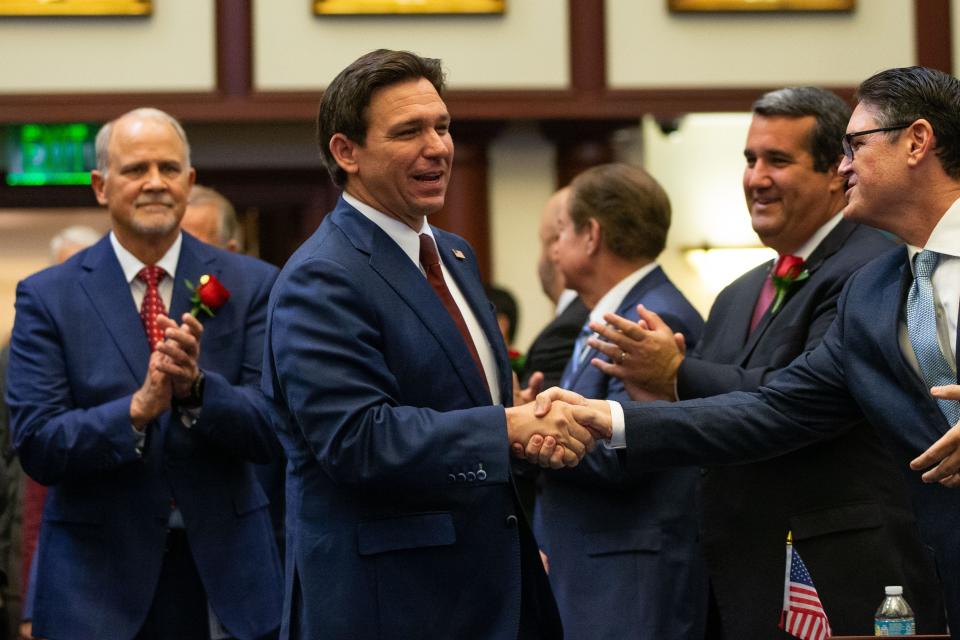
<point>466,211</point>
<point>582,144</point>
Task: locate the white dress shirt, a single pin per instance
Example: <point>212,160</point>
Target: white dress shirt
<point>945,240</point>
<point>409,242</point>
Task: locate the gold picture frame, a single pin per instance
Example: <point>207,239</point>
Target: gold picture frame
<point>683,6</point>
<point>76,7</point>
<point>392,7</point>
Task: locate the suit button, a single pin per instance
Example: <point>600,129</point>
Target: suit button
<point>481,475</point>
<point>461,477</point>
<point>451,478</point>
<point>704,471</point>
<point>471,476</point>
<point>511,521</point>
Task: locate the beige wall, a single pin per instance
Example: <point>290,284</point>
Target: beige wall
<point>172,50</point>
<point>524,48</point>
<point>25,248</point>
<point>650,47</point>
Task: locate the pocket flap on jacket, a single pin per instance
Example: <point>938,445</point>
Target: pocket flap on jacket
<point>251,499</point>
<point>406,532</point>
<point>849,517</point>
<point>600,543</point>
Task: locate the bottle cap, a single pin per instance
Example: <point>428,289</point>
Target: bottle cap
<point>894,590</point>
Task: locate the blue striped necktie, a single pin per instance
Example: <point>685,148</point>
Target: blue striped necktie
<point>922,329</point>
<point>579,349</point>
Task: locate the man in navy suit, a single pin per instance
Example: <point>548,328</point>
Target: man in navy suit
<point>600,525</point>
<point>382,348</point>
<point>145,427</point>
<point>846,505</point>
<point>890,354</point>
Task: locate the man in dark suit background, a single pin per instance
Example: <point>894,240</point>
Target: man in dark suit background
<point>623,551</point>
<point>143,427</point>
<point>550,350</point>
<point>890,355</point>
<point>849,511</point>
<point>382,348</point>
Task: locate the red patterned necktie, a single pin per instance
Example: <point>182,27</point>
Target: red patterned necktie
<point>767,293</point>
<point>430,260</point>
<point>152,304</point>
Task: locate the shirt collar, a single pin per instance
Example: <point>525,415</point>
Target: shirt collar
<point>613,298</point>
<point>945,237</point>
<point>407,238</point>
<point>814,241</point>
<point>131,265</point>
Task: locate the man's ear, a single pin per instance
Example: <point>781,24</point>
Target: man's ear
<point>344,151</point>
<point>920,140</point>
<point>594,233</point>
<point>97,183</point>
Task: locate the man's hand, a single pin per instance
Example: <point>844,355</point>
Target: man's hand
<point>594,415</point>
<point>534,386</point>
<point>567,441</point>
<point>944,454</point>
<point>153,397</point>
<point>645,356</point>
<point>181,351</point>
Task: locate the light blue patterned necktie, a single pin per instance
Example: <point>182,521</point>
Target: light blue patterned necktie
<point>579,349</point>
<point>922,329</point>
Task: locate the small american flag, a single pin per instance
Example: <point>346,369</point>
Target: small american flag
<point>803,615</point>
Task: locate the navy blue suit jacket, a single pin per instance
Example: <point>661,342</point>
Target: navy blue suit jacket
<point>77,355</point>
<point>402,520</point>
<point>844,499</point>
<point>857,372</point>
<point>623,549</point>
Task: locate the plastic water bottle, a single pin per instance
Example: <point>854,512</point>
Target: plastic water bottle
<point>894,617</point>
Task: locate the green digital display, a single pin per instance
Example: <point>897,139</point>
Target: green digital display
<point>50,154</point>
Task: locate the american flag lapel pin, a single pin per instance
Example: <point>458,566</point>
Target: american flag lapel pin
<point>459,254</point>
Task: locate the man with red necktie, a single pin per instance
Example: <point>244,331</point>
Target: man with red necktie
<point>142,420</point>
<point>843,499</point>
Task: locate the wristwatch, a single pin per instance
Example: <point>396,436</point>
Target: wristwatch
<point>194,399</point>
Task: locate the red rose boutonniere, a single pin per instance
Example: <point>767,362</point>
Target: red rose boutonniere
<point>788,271</point>
<point>517,360</point>
<point>208,296</point>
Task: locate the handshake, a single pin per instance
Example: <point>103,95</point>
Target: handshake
<point>558,428</point>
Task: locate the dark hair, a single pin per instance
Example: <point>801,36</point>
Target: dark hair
<point>504,302</point>
<point>632,208</point>
<point>343,107</point>
<point>901,96</point>
<point>831,115</point>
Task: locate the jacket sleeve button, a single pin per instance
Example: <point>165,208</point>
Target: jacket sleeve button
<point>511,521</point>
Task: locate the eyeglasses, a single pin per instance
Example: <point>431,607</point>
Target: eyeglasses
<point>847,137</point>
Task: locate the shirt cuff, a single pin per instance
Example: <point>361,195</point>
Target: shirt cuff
<point>619,438</point>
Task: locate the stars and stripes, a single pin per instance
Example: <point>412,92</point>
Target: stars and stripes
<point>803,615</point>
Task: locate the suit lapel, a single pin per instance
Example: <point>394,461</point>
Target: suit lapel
<point>743,312</point>
<point>463,272</point>
<point>409,283</point>
<point>832,243</point>
<point>109,292</point>
<point>194,262</point>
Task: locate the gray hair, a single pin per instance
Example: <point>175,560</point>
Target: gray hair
<point>830,112</point>
<point>78,234</point>
<point>102,142</point>
<point>200,194</point>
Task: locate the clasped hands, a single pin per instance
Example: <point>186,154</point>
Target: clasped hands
<point>173,368</point>
<point>558,428</point>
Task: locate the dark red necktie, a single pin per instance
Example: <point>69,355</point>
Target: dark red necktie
<point>767,293</point>
<point>430,260</point>
<point>152,305</point>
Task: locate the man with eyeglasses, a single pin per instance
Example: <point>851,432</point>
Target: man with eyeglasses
<point>834,494</point>
<point>890,355</point>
